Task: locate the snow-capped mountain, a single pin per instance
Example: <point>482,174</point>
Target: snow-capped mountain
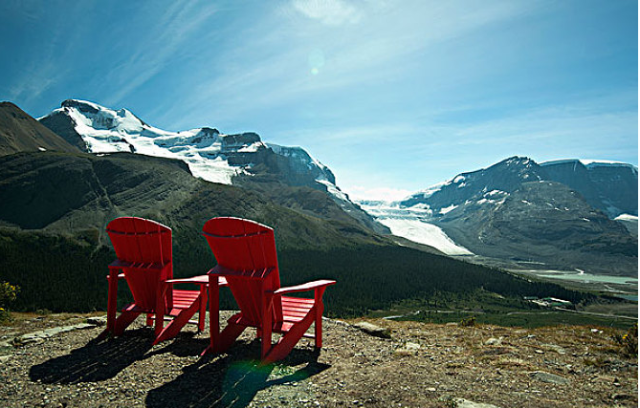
<point>554,214</point>
<point>210,155</point>
<point>239,159</point>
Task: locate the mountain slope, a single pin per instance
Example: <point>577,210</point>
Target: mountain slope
<point>514,210</point>
<point>19,132</point>
<point>70,194</point>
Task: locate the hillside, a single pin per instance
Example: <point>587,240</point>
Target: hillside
<point>420,365</point>
<point>79,194</point>
<point>19,132</point>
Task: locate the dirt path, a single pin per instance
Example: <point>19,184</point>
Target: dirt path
<point>421,365</point>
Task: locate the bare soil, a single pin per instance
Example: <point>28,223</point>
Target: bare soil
<point>421,365</point>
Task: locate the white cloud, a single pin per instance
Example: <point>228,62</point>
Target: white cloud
<point>376,193</point>
<point>330,12</point>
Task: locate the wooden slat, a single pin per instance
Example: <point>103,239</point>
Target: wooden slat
<point>297,301</point>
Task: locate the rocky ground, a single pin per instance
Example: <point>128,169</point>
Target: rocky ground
<point>419,365</point>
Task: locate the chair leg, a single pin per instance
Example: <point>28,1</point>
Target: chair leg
<point>267,326</point>
<point>319,307</point>
<point>318,325</point>
<point>123,321</point>
<point>174,326</point>
<point>111,303</point>
<point>289,339</point>
<point>203,308</point>
<point>214,315</point>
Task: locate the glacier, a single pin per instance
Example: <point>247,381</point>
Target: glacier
<point>413,224</point>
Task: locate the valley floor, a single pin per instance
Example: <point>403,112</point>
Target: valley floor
<point>420,365</point>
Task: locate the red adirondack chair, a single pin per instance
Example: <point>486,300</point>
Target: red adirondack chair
<point>247,260</point>
<point>144,256</point>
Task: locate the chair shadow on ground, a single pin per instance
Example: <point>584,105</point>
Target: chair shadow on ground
<point>227,380</point>
<point>233,379</point>
<point>95,361</point>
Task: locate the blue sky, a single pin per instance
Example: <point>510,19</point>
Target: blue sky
<point>393,95</point>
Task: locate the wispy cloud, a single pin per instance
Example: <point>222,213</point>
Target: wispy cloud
<point>371,47</point>
<point>175,26</point>
<point>330,12</point>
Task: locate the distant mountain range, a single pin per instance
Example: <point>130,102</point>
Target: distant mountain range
<point>60,184</point>
<point>554,215</point>
<point>56,199</point>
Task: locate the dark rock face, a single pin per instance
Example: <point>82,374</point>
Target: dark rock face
<point>506,176</point>
<point>64,126</point>
<point>612,189</point>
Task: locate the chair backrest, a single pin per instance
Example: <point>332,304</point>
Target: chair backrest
<point>147,245</point>
<point>246,247</point>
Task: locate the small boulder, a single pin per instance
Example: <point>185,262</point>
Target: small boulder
<point>373,330</point>
<point>549,378</point>
<point>464,403</point>
<point>409,349</point>
<point>97,320</point>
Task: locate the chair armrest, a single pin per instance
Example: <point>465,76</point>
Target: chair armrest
<point>198,280</point>
<point>304,287</point>
<point>250,274</point>
<point>120,276</point>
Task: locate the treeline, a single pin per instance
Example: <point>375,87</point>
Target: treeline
<point>374,277</point>
<point>63,274</point>
<point>54,273</point>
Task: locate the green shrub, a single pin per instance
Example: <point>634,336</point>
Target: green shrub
<point>8,293</point>
<point>628,343</point>
<point>468,322</point>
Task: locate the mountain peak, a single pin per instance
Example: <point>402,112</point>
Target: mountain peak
<point>82,106</point>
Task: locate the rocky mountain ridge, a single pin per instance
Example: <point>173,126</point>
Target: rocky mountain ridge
<point>555,215</point>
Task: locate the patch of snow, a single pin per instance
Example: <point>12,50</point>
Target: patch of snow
<point>627,217</point>
<point>431,190</point>
<point>42,149</point>
<point>590,163</point>
<point>496,192</point>
<point>445,210</point>
<point>424,233</point>
<point>333,189</point>
<point>252,148</point>
<point>458,179</point>
<point>605,163</point>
